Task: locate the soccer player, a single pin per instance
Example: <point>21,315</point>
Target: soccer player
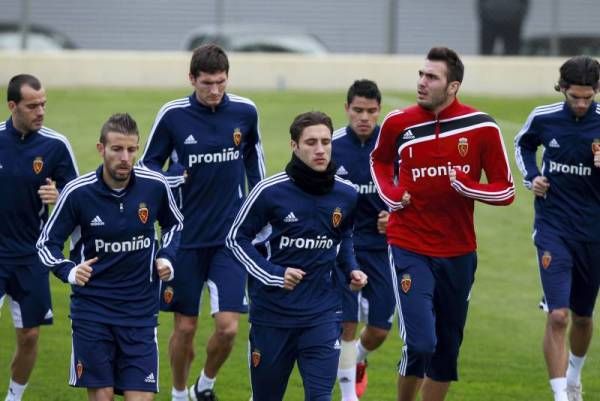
<point>35,163</point>
<point>443,147</point>
<point>288,235</point>
<point>352,146</point>
<point>115,265</point>
<point>215,137</point>
<point>566,230</point>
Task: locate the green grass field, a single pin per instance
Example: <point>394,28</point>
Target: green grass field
<point>501,358</point>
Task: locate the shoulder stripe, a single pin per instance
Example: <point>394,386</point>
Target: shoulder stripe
<point>339,133</point>
<point>344,181</point>
<point>174,104</point>
<point>49,133</point>
<point>240,99</point>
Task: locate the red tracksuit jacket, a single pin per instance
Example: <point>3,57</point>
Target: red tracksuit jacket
<point>438,221</point>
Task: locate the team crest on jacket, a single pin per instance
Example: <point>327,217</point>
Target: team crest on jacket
<point>255,358</point>
<point>463,146</point>
<point>406,283</point>
<point>143,213</point>
<point>546,259</point>
<point>336,217</point>
<point>237,137</point>
<point>168,295</point>
<point>79,369</point>
<point>596,145</point>
<point>38,164</point>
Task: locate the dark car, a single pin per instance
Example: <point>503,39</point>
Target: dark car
<point>256,38</point>
<point>40,38</point>
<point>568,45</point>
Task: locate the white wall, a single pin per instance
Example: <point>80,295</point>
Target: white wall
<point>491,75</point>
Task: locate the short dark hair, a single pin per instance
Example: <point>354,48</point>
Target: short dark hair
<point>309,119</point>
<point>363,88</point>
<point>454,66</point>
<point>122,123</point>
<point>13,92</point>
<point>210,59</point>
<point>579,70</point>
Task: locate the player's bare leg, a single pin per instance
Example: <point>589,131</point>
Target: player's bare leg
<point>181,348</point>
<point>138,396</point>
<point>555,351</point>
<point>371,337</point>
<point>434,390</point>
<point>101,394</point>
<point>408,387</point>
<point>221,342</point>
<point>580,337</point>
<point>25,354</point>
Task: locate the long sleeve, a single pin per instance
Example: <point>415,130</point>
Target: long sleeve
<point>499,189</point>
<point>346,259</point>
<point>526,143</point>
<point>254,159</point>
<point>170,220</point>
<point>250,224</point>
<point>55,232</point>
<point>383,161</point>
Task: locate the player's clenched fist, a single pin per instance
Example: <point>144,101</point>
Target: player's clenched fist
<point>358,279</point>
<point>164,269</point>
<point>292,277</point>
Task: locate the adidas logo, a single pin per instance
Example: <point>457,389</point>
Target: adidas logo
<point>150,378</point>
<point>408,135</point>
<point>48,315</point>
<point>341,171</point>
<point>96,221</point>
<point>190,140</point>
<point>290,218</point>
<point>554,143</point>
<point>337,345</point>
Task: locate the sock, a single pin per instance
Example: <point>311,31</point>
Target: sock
<point>559,387</point>
<point>205,382</point>
<point>361,352</point>
<point>347,380</point>
<point>574,369</point>
<point>179,395</point>
<point>15,391</point>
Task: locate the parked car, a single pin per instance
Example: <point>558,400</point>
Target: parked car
<point>40,38</point>
<point>568,45</point>
<point>256,38</point>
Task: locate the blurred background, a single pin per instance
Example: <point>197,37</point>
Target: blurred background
<point>524,27</point>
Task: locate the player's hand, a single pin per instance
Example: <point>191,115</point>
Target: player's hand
<point>48,192</point>
<point>292,277</point>
<point>382,221</point>
<point>358,279</point>
<point>83,271</point>
<point>540,185</point>
<point>164,269</point>
<point>405,199</point>
<point>596,150</point>
<point>452,174</point>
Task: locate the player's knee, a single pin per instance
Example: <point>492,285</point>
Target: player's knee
<point>375,335</point>
<point>558,319</point>
<point>28,338</point>
<point>185,329</point>
<point>227,332</point>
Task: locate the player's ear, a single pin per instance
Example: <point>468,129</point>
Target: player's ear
<point>100,148</point>
<point>12,105</point>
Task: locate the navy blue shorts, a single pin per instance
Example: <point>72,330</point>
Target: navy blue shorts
<point>273,351</point>
<point>104,355</point>
<point>375,303</point>
<point>28,290</point>
<point>433,299</point>
<point>222,273</point>
<point>569,270</point>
